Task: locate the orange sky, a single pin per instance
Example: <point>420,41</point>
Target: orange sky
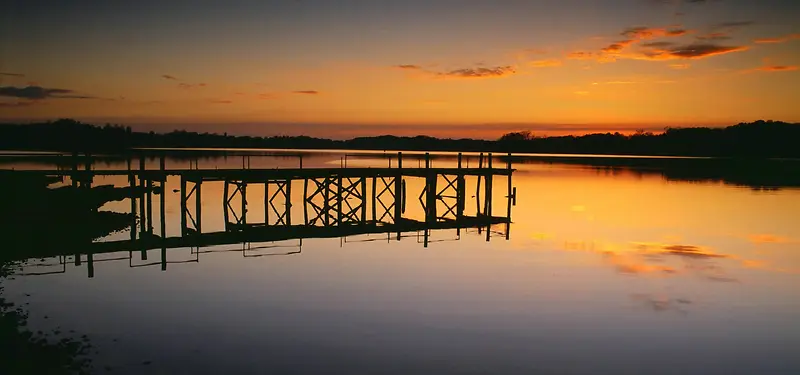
<point>463,69</point>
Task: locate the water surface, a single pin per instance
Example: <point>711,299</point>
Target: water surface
<point>607,270</point>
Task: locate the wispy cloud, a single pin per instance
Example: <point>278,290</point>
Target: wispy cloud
<point>492,72</point>
<point>772,68</point>
<point>189,86</point>
<point>699,50</point>
<point>18,104</point>
<point>644,32</point>
<point>613,83</point>
<point>734,24</point>
<point>267,96</point>
<point>618,46</point>
<point>714,36</point>
<point>465,73</point>
<point>780,39</point>
<point>216,101</point>
<point>680,66</point>
<point>408,67</point>
<point>581,55</point>
<point>39,93</point>
<point>306,92</point>
<point>12,74</point>
<point>546,63</point>
<point>170,77</point>
<point>768,239</point>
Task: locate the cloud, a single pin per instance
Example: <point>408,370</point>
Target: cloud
<point>680,66</point>
<point>781,39</point>
<point>167,76</point>
<point>408,66</point>
<point>778,68</point>
<point>662,303</point>
<point>714,36</point>
<point>38,93</point>
<point>546,63</point>
<point>189,86</point>
<point>12,74</point>
<point>767,238</point>
<point>691,51</point>
<point>17,104</point>
<point>306,92</point>
<point>734,25</point>
<point>220,101</point>
<point>701,50</point>
<point>654,50</point>
<point>618,46</point>
<point>267,96</point>
<point>580,55</point>
<point>495,72</point>
<point>659,44</point>
<point>613,83</point>
<point>643,32</point>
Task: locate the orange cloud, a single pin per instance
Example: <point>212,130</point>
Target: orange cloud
<point>767,238</point>
<point>714,36</point>
<point>189,86</point>
<point>408,66</point>
<point>306,92</point>
<point>781,39</point>
<point>581,55</point>
<point>618,46</point>
<point>479,72</point>
<point>644,32</point>
<point>679,66</point>
<point>778,68</point>
<point>496,72</point>
<point>546,63</point>
<point>220,101</point>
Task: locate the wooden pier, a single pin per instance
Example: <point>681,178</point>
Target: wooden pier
<point>336,202</point>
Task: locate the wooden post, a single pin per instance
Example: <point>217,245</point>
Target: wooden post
<point>243,191</point>
<point>184,207</point>
<point>150,206</point>
<point>163,220</point>
<point>374,199</point>
<point>288,202</point>
<point>90,264</point>
<point>399,160</point>
<point>198,205</point>
<point>339,199</point>
<point>510,195</point>
<point>326,206</point>
<point>266,202</point>
<point>363,200</point>
<point>225,214</point>
<point>132,187</point>
<point>305,199</point>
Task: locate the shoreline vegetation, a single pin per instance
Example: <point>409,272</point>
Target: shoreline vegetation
<point>759,139</point>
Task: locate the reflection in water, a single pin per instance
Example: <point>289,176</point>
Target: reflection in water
<point>623,273</point>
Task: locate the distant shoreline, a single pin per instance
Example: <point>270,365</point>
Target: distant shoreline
<point>760,139</point>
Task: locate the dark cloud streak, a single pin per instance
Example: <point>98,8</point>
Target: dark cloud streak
<point>39,93</point>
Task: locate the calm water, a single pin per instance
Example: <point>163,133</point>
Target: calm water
<point>606,271</point>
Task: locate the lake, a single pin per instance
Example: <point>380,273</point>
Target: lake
<point>624,266</point>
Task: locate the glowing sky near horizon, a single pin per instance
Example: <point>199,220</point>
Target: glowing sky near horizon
<point>457,68</point>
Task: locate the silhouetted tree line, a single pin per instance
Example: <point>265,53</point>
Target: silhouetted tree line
<point>756,139</point>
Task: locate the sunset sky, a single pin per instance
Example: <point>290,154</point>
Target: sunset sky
<point>444,68</point>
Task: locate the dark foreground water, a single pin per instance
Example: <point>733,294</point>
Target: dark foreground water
<point>606,271</point>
